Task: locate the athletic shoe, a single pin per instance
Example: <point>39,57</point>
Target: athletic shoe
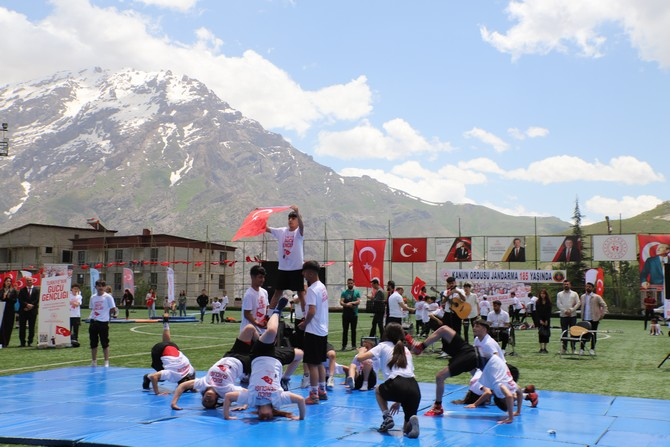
<point>387,424</point>
<point>94,363</point>
<point>563,351</point>
<point>349,382</point>
<point>330,383</point>
<point>312,399</point>
<point>592,352</point>
<point>364,387</point>
<point>415,346</point>
<point>284,382</point>
<point>581,352</point>
<point>323,395</point>
<point>281,304</point>
<point>304,383</point>
<point>106,363</point>
<point>413,431</point>
<point>529,389</point>
<point>443,355</point>
<point>436,410</point>
<point>145,382</point>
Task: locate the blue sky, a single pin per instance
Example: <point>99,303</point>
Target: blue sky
<point>520,106</point>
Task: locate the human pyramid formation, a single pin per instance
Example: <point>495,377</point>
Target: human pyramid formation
<point>256,360</point>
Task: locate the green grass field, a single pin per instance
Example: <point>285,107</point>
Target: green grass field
<point>626,364</point>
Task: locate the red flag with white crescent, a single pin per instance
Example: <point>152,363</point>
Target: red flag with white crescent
<point>417,286</point>
<point>368,261</point>
<point>256,222</point>
<point>60,330</point>
<point>597,278</point>
<point>409,250</point>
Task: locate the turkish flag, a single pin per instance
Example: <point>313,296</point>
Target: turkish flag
<point>256,221</point>
<point>60,330</point>
<point>368,261</point>
<point>409,250</point>
<point>597,278</point>
<point>417,286</point>
<point>129,280</point>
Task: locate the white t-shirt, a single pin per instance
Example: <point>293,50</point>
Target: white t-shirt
<point>100,306</point>
<point>290,251</point>
<point>317,295</point>
<point>75,305</point>
<point>472,301</point>
<point>384,351</point>
<point>224,302</point>
<point>216,306</point>
<point>395,310</point>
<point>264,384</point>
<point>495,374</point>
<point>421,311</point>
<point>435,309</point>
<point>484,308</point>
<point>175,368</point>
<point>475,385</point>
<point>257,302</point>
<point>498,320</point>
<point>450,296</point>
<point>488,347</point>
<point>221,377</point>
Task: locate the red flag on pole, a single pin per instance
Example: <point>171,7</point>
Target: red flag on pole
<point>368,261</point>
<point>409,250</point>
<point>417,286</point>
<point>597,278</point>
<point>256,221</point>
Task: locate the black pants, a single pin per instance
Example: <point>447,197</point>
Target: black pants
<point>75,322</point>
<point>349,320</point>
<point>377,322</point>
<point>594,338</point>
<point>567,323</point>
<point>29,319</point>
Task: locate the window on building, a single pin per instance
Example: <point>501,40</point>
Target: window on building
<point>223,256</point>
<point>154,255</point>
<point>48,250</point>
<point>153,279</point>
<point>81,257</point>
<point>118,281</point>
<point>80,279</point>
<point>222,282</point>
<point>118,255</point>
<point>66,257</point>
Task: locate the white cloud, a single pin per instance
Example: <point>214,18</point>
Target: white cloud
<point>411,178</point>
<point>488,138</point>
<point>77,33</point>
<point>518,210</point>
<point>563,168</point>
<point>397,140</point>
<point>627,206</point>
<point>531,132</point>
<point>543,26</point>
<point>481,164</point>
<point>179,5</point>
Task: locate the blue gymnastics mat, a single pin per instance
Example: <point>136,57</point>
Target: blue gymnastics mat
<point>87,406</point>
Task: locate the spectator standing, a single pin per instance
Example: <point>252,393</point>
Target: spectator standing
<point>378,309</point>
<point>181,303</point>
<point>102,306</point>
<point>203,301</point>
<point>9,296</point>
<point>127,301</point>
<point>567,302</point>
<point>350,299</point>
<point>543,310</point>
<point>224,305</point>
<point>29,299</point>
<point>75,314</point>
<point>594,309</point>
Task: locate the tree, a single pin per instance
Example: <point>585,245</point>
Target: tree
<point>577,270</point>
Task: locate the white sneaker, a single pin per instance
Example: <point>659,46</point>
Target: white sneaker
<point>364,387</point>
<point>305,382</point>
<point>581,352</point>
<point>592,352</point>
<point>443,355</point>
<point>94,363</point>
<point>106,363</point>
<point>330,383</point>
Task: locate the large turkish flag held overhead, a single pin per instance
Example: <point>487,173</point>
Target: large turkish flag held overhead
<point>256,221</point>
<point>409,250</point>
<point>368,261</point>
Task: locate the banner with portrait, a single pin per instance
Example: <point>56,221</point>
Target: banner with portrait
<point>54,309</point>
<point>560,249</point>
<point>506,249</point>
<point>453,249</point>
<point>654,255</point>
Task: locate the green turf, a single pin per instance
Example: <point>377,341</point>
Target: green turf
<point>626,364</point>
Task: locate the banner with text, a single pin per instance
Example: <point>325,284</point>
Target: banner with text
<point>525,276</point>
<point>54,314</point>
<point>614,247</point>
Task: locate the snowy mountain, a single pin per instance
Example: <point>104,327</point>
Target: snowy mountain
<point>153,150</point>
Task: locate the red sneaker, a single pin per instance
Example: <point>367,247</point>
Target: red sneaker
<point>313,399</point>
<point>435,411</point>
<point>414,346</point>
